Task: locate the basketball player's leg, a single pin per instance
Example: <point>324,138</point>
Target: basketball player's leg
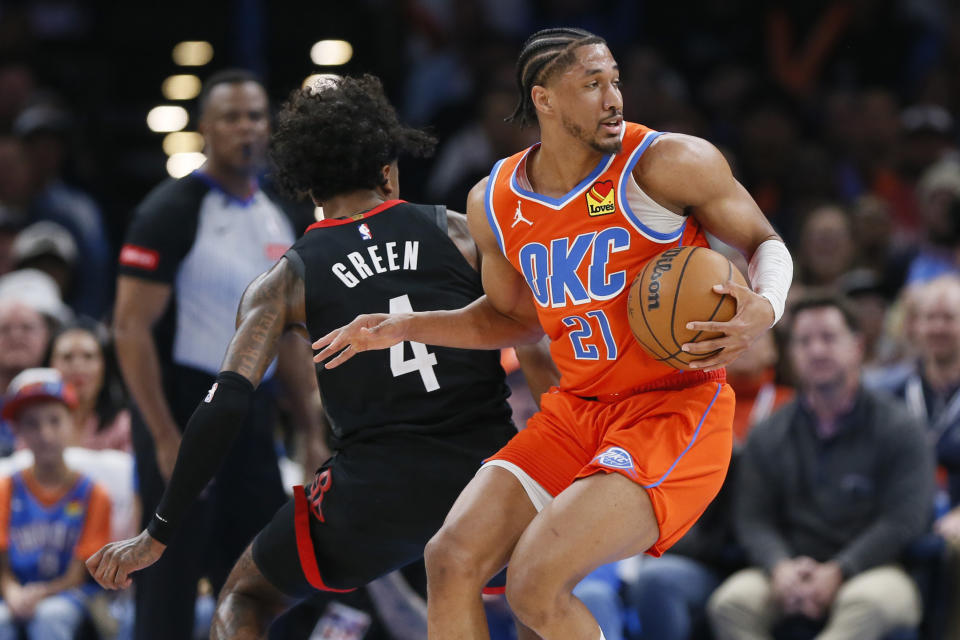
<point>598,519</point>
<point>474,543</point>
<point>640,492</point>
<point>248,603</point>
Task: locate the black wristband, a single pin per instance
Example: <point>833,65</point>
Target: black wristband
<point>206,440</point>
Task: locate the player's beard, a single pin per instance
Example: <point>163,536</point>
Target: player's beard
<point>607,146</point>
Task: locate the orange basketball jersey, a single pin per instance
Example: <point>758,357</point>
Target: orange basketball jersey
<point>580,253</point>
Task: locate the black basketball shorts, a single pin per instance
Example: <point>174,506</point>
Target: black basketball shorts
<point>370,510</point>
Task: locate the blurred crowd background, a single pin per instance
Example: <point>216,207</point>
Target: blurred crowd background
<point>838,116</point>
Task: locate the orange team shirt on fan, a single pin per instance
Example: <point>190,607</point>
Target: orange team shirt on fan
<point>96,526</point>
<point>580,253</point>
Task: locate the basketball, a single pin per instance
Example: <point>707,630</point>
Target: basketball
<point>676,287</point>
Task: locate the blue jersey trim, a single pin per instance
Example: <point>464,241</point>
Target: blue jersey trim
<point>488,205</point>
<point>689,444</point>
<point>570,195</point>
<point>625,204</point>
<point>216,186</point>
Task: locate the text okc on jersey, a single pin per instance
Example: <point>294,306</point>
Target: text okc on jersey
<point>551,271</point>
<point>383,258</point>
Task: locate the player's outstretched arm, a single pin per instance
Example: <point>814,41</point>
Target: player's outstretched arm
<point>272,302</point>
<point>691,175</point>
<point>504,317</point>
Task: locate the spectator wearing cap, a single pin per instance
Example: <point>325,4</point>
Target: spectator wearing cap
<point>48,247</point>
<point>51,517</point>
<point>928,135</point>
<point>39,291</point>
<point>44,132</point>
<point>938,197</point>
<point>24,336</point>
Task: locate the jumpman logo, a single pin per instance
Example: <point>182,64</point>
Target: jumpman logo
<point>518,217</point>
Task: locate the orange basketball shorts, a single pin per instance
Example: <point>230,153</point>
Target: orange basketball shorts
<point>674,443</point>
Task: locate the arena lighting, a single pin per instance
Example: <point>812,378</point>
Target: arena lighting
<point>167,118</point>
<point>181,87</point>
<point>182,142</point>
<point>181,164</point>
<point>316,80</point>
<point>192,53</point>
<point>318,213</point>
<point>328,53</point>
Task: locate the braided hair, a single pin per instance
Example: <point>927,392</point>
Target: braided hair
<point>544,54</point>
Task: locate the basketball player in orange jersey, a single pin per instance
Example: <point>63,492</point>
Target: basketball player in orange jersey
<point>627,452</point>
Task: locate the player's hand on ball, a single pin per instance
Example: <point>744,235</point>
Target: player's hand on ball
<point>366,333</point>
<point>754,316</point>
<point>112,565</point>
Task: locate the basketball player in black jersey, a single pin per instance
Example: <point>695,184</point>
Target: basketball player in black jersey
<point>410,425</point>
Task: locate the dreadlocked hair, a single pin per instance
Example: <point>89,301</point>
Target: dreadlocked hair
<point>544,54</point>
<point>336,137</point>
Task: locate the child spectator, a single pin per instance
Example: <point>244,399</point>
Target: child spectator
<point>51,518</point>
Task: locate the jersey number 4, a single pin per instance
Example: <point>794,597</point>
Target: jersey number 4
<point>423,361</point>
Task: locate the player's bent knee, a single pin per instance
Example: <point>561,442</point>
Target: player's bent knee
<point>534,595</point>
<point>450,557</point>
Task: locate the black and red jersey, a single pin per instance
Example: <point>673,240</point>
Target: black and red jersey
<point>394,258</point>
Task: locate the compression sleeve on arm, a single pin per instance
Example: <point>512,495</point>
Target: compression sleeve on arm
<point>206,440</point>
<point>771,272</point>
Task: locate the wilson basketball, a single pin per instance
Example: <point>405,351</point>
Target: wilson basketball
<point>674,288</point>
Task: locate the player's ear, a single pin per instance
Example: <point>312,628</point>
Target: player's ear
<point>391,180</point>
<point>542,99</point>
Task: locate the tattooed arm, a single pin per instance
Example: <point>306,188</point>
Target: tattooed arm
<point>272,303</point>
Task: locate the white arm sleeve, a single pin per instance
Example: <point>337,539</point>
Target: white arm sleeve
<point>771,272</point>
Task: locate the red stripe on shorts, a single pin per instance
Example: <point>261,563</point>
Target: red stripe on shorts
<point>308,560</point>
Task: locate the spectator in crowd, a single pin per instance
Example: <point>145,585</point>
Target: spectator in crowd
<point>17,84</point>
<point>14,180</point>
<point>829,491</point>
<point>9,228</point>
<point>932,394</point>
<point>51,517</point>
<point>886,254</point>
<point>468,155</point>
<point>82,354</point>
<point>193,247</point>
<point>24,337</point>
<point>48,247</point>
<point>39,291</point>
<point>938,196</point>
<point>753,378</point>
<point>863,289</point>
<point>826,248</point>
<point>43,130</point>
<point>928,136</point>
